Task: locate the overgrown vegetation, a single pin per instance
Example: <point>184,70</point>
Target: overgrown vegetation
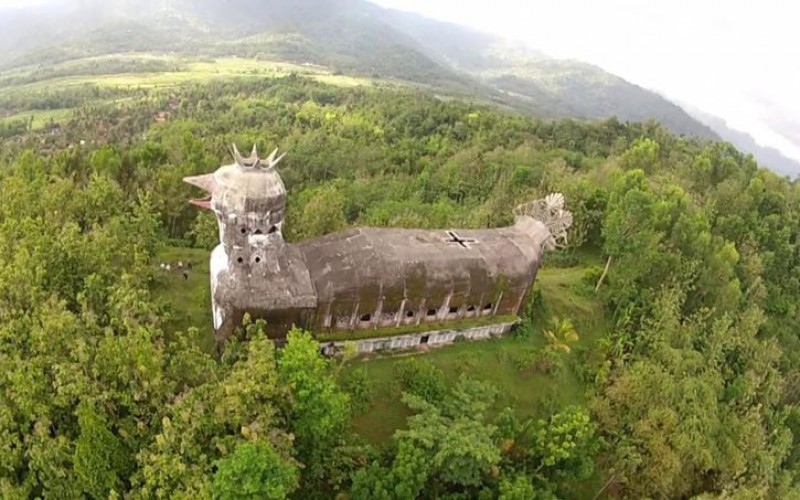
<point>679,380</point>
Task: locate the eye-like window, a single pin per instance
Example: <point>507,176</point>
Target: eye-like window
<point>244,230</point>
<point>240,260</point>
<point>258,259</point>
<point>258,231</point>
<point>273,230</point>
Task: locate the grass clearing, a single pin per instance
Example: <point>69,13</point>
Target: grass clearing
<point>502,362</point>
<point>40,117</point>
<point>188,300</point>
<point>186,71</point>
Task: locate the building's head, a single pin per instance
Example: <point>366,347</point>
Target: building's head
<point>249,200</point>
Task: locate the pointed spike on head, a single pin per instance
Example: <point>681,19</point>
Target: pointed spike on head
<point>254,155</point>
<point>278,159</point>
<point>237,156</point>
<point>271,157</point>
<point>205,182</point>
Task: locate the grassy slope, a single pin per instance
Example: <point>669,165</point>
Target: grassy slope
<point>41,117</point>
<point>186,70</point>
<point>188,300</point>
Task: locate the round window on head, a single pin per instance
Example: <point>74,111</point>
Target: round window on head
<point>240,260</point>
<point>258,259</point>
<point>244,230</point>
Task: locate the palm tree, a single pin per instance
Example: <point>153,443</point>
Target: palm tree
<point>561,335</point>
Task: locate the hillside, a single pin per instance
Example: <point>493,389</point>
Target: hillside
<point>347,36</point>
<point>768,157</point>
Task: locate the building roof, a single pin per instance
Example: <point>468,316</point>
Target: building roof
<point>365,264</point>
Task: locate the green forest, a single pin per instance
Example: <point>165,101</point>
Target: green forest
<point>658,356</point>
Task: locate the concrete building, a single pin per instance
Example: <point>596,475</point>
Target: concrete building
<point>366,278</point>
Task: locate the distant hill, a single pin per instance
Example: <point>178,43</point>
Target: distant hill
<point>348,36</point>
<point>766,156</point>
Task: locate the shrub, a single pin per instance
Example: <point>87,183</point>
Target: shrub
<point>466,362</point>
<point>524,359</point>
<point>421,378</point>
<point>359,386</point>
<point>591,276</point>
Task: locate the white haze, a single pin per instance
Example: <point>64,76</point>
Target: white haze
<point>739,60</point>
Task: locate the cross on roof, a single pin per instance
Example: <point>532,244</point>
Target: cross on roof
<point>464,242</point>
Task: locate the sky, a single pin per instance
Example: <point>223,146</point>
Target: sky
<point>738,60</point>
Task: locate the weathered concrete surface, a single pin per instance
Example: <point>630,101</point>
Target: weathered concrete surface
<point>363,277</point>
<point>386,277</point>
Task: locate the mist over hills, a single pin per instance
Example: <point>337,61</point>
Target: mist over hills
<point>351,37</point>
<point>767,156</point>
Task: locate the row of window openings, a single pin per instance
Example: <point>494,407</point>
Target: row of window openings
<point>365,318</point>
<point>272,230</point>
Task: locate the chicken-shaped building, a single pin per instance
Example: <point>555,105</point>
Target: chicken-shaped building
<point>385,288</point>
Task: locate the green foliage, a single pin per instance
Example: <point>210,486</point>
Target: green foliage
<point>561,334</point>
<point>317,411</point>
<point>517,487</point>
<point>254,471</point>
<point>420,378</point>
<point>447,447</point>
<point>101,460</point>
<point>359,387</point>
<point>693,391</point>
<point>642,155</point>
<point>204,232</point>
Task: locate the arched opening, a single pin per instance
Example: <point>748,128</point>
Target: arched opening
<point>409,314</point>
<point>431,313</point>
<point>258,231</point>
<point>488,308</point>
<point>452,312</point>
<point>273,230</point>
<point>366,318</point>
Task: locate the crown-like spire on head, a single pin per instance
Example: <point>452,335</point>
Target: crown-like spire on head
<point>253,161</point>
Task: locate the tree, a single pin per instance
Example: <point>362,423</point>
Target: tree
<point>316,409</point>
<point>254,471</point>
<point>561,335</point>
<point>101,460</point>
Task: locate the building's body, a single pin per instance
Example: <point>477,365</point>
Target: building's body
<point>365,278</point>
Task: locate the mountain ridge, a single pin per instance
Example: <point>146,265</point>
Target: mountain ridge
<point>348,36</point>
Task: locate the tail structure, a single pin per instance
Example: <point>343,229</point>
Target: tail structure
<point>550,212</point>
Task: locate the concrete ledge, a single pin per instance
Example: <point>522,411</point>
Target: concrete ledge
<point>435,337</point>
